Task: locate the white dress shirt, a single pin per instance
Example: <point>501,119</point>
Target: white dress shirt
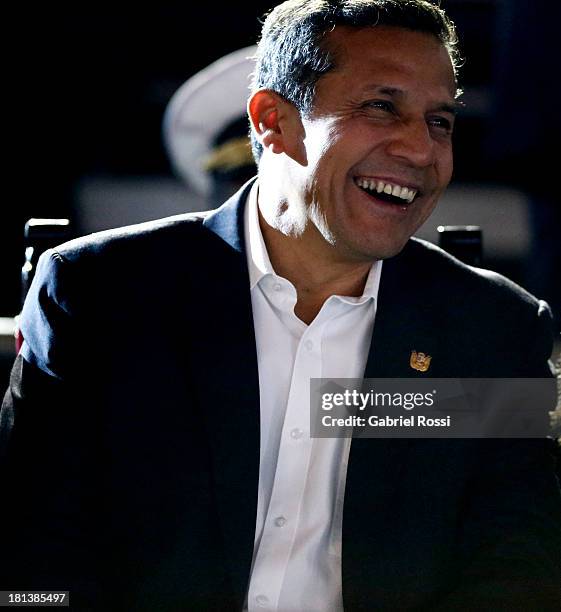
<point>297,552</point>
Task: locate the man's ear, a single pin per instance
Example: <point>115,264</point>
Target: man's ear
<point>276,123</point>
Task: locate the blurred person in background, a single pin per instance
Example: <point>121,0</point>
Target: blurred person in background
<point>212,157</point>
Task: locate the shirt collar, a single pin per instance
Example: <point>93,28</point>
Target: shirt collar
<point>370,288</point>
<point>259,264</point>
<point>258,261</point>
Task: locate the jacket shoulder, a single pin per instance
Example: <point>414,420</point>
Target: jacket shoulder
<point>439,268</point>
<point>492,322</point>
<point>135,239</point>
<point>118,276</point>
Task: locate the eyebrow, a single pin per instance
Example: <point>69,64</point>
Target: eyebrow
<point>452,107</point>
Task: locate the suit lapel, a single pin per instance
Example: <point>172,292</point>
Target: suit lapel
<point>228,383</point>
<point>405,320</point>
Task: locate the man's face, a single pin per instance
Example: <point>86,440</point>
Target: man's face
<point>382,120</point>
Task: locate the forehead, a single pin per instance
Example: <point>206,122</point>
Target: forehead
<point>391,57</point>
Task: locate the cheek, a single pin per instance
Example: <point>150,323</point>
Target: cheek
<point>331,153</point>
<point>327,167</point>
<point>319,136</point>
<point>445,165</point>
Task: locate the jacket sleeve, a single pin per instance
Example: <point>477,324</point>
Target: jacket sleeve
<point>47,453</point>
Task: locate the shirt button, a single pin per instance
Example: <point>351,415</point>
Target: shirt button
<point>277,287</point>
<point>262,600</point>
<point>309,345</point>
<point>296,434</point>
<point>280,521</point>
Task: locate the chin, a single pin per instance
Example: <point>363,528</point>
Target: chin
<point>380,251</point>
<point>392,252</point>
<point>388,253</point>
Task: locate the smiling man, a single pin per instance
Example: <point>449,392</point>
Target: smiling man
<point>177,472</point>
<point>349,181</point>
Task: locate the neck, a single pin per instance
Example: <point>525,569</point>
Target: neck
<point>313,267</point>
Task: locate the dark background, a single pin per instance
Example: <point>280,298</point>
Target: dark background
<point>88,85</point>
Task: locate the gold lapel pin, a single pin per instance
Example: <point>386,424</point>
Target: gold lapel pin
<point>420,361</point>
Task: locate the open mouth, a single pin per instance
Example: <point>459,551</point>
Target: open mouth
<point>390,193</point>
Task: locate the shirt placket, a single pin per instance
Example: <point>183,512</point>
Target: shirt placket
<point>281,523</point>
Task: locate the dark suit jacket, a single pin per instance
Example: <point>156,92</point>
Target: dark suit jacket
<point>131,434</point>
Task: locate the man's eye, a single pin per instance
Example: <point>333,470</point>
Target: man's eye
<point>441,123</point>
<point>380,105</point>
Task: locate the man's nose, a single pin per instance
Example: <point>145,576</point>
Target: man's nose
<point>413,143</point>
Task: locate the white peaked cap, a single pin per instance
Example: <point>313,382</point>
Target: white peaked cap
<point>200,109</point>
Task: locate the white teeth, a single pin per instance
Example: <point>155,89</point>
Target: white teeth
<point>404,193</point>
